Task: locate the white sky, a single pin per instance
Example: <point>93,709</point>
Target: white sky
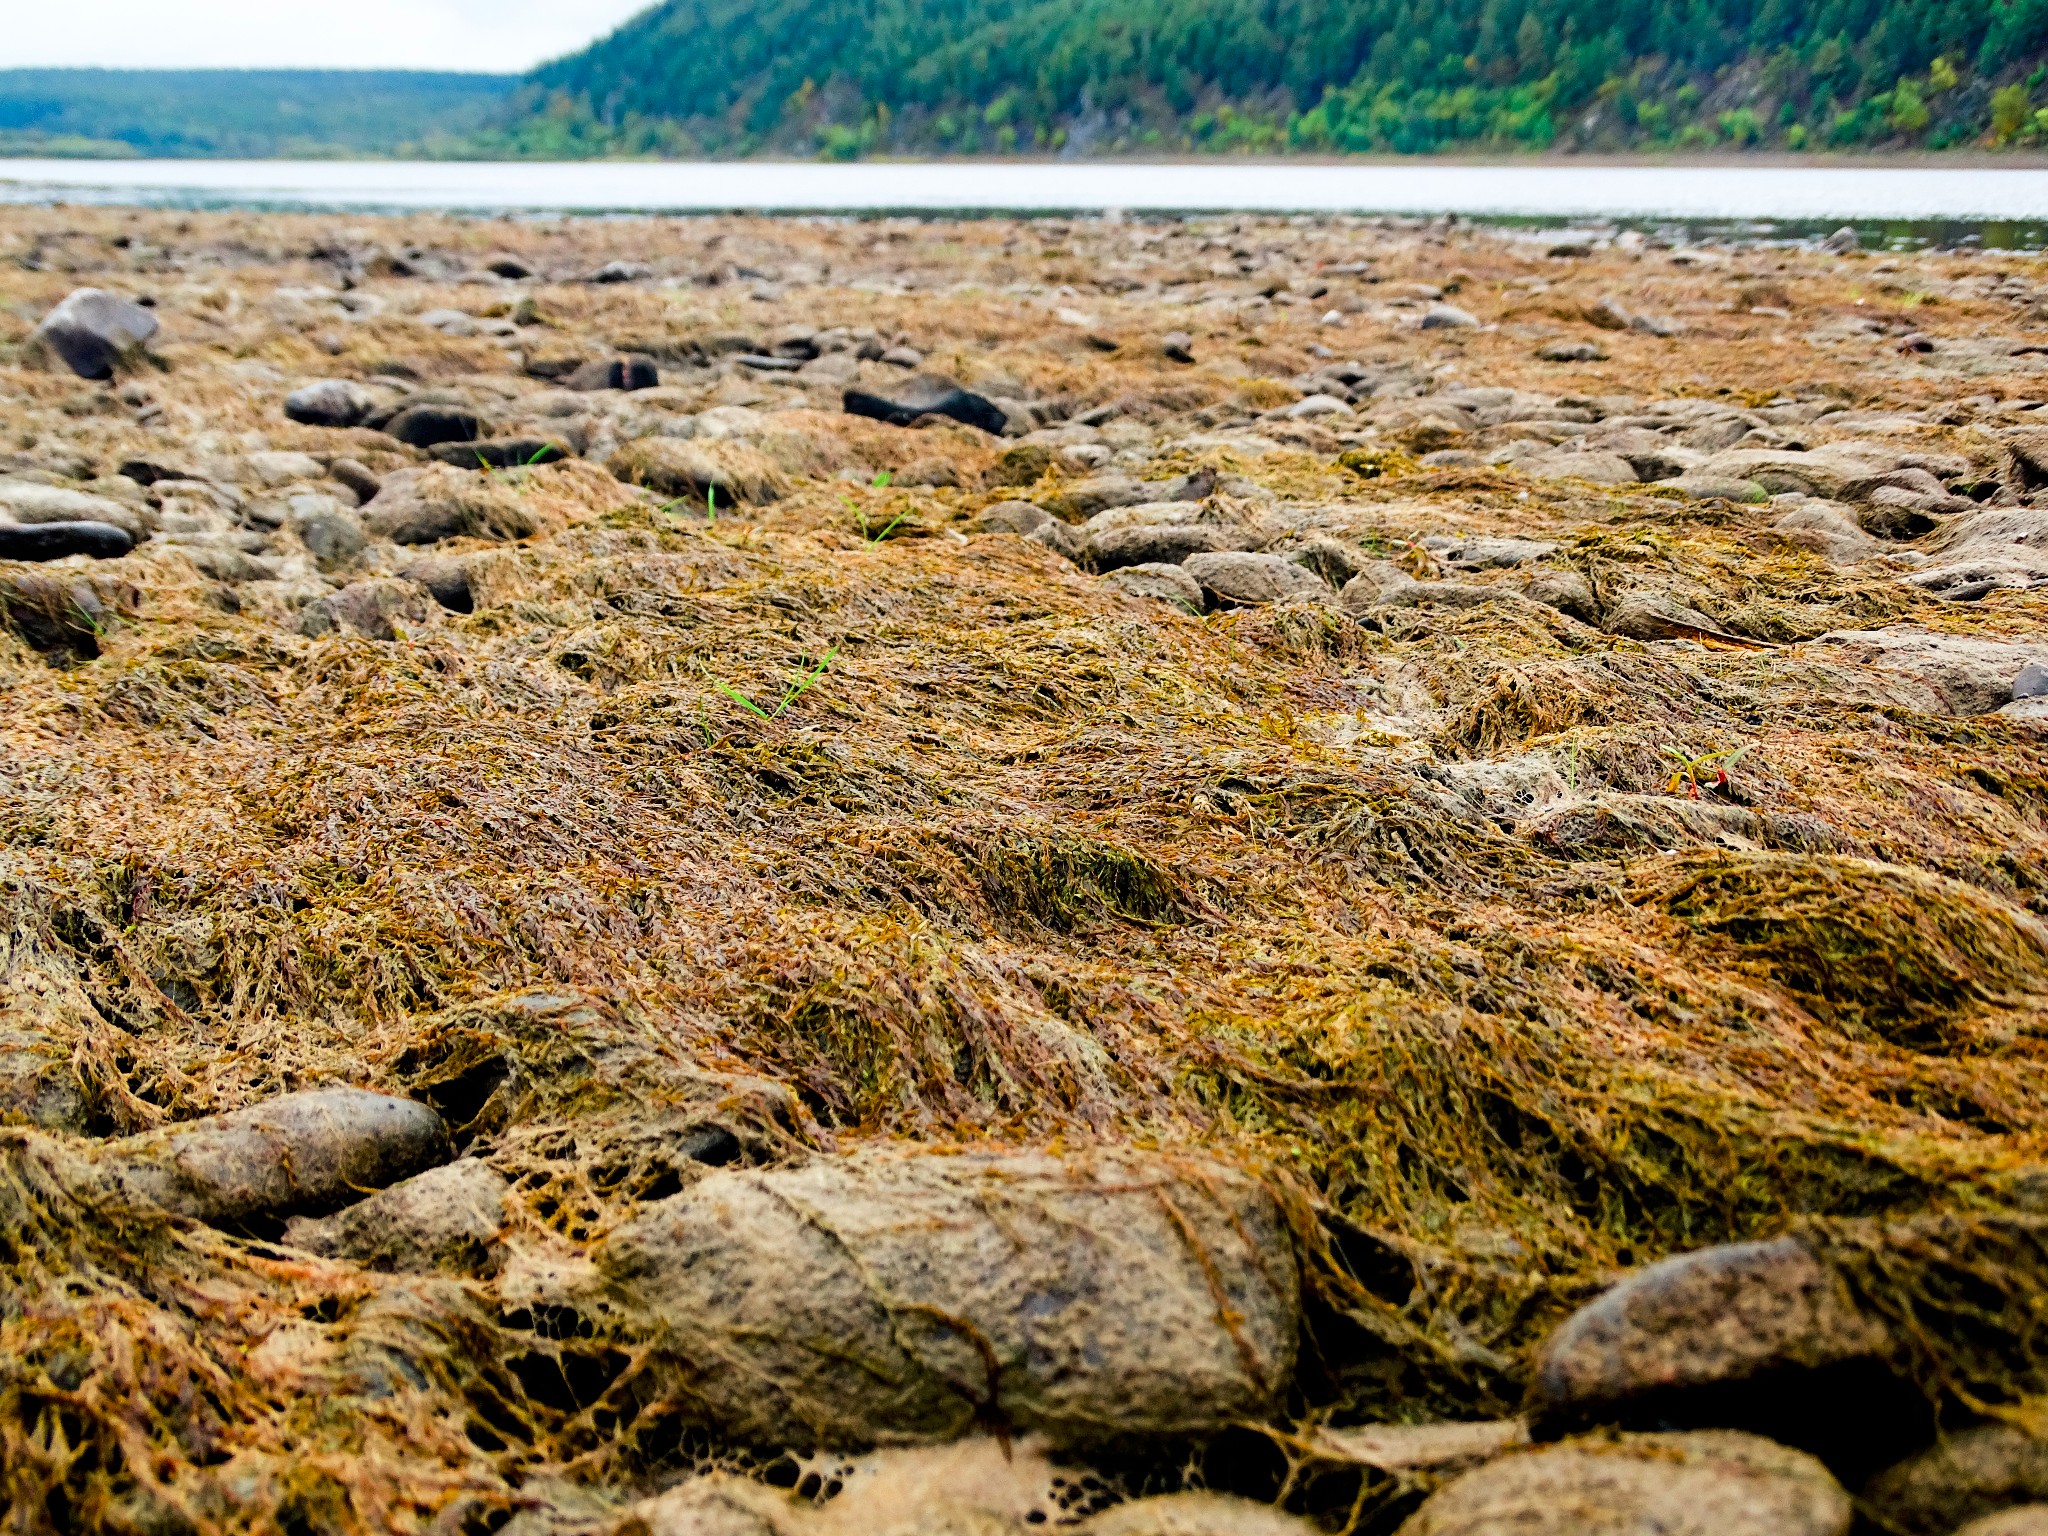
<point>490,35</point>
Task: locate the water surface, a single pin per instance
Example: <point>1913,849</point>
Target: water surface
<point>1774,195</point>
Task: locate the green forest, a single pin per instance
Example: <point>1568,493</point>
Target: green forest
<point>847,78</point>
<point>246,113</point>
<point>851,78</point>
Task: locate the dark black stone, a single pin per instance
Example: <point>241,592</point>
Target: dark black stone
<point>922,395</point>
<point>500,453</point>
<point>53,541</point>
<point>424,426</point>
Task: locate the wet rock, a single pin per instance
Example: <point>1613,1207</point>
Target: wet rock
<point>211,555</point>
<point>446,580</point>
<point>1162,544</point>
<point>717,1504</point>
<point>332,534</point>
<point>63,620</point>
<point>1388,589</point>
<point>427,506</point>
<point>1599,468</point>
<point>1708,487</point>
<point>923,395</point>
<point>1828,530</point>
<point>502,453</point>
<point>931,473</point>
<point>1967,675</point>
<point>1019,517</point>
<point>1566,591</point>
<point>94,333</point>
<point>2025,1520</point>
<point>1659,616</point>
<point>1965,1476</point>
<point>1237,580</point>
<point>54,541</point>
<point>1033,523</point>
<point>379,609</point>
<point>1481,554</point>
<point>448,1218</point>
<point>1448,317</point>
<point>906,1297</point>
<point>694,469</point>
<point>1749,1335</point>
<point>627,374</point>
<point>1164,583</point>
<point>1571,352</point>
<point>26,502</point>
<point>331,403</point>
<point>424,426</point>
<point>1333,560</point>
<point>357,477</point>
<point>1781,470</point>
<point>1603,822</point>
<point>1195,1514</point>
<point>303,1152</point>
<point>1711,1483</point>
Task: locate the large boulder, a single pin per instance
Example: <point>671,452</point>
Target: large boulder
<point>1711,1483</point>
<point>94,333</point>
<point>1709,1318</point>
<point>53,541</point>
<point>923,395</point>
<point>1162,544</point>
<point>1236,580</point>
<point>310,1151</point>
<point>1966,674</point>
<point>906,1298</point>
<point>1758,1336</point>
<point>27,501</point>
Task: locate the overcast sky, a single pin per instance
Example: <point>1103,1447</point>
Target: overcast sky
<point>498,35</point>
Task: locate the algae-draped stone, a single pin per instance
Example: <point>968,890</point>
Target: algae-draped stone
<point>905,1298</point>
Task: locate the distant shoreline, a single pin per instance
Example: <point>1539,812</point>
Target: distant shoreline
<point>1974,159</point>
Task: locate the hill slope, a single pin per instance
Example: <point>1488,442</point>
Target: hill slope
<point>847,77</point>
<point>254,113</point>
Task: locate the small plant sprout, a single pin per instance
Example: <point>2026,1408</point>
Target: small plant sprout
<point>517,473</point>
<point>711,502</point>
<point>1706,772</point>
<point>860,515</point>
<point>799,686</point>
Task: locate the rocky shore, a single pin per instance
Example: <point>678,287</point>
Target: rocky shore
<point>1226,877</point>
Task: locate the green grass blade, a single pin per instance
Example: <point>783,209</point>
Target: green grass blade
<point>740,698</point>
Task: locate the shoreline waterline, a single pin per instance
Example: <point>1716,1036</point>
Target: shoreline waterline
<point>1775,194</point>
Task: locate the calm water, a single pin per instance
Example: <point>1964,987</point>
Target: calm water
<point>1775,195</point>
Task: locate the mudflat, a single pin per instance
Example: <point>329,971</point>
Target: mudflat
<point>1220,875</point>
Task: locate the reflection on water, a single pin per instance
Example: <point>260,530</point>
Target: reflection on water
<point>2002,207</point>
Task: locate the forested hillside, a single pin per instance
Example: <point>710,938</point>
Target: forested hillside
<point>851,77</point>
<point>254,113</point>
